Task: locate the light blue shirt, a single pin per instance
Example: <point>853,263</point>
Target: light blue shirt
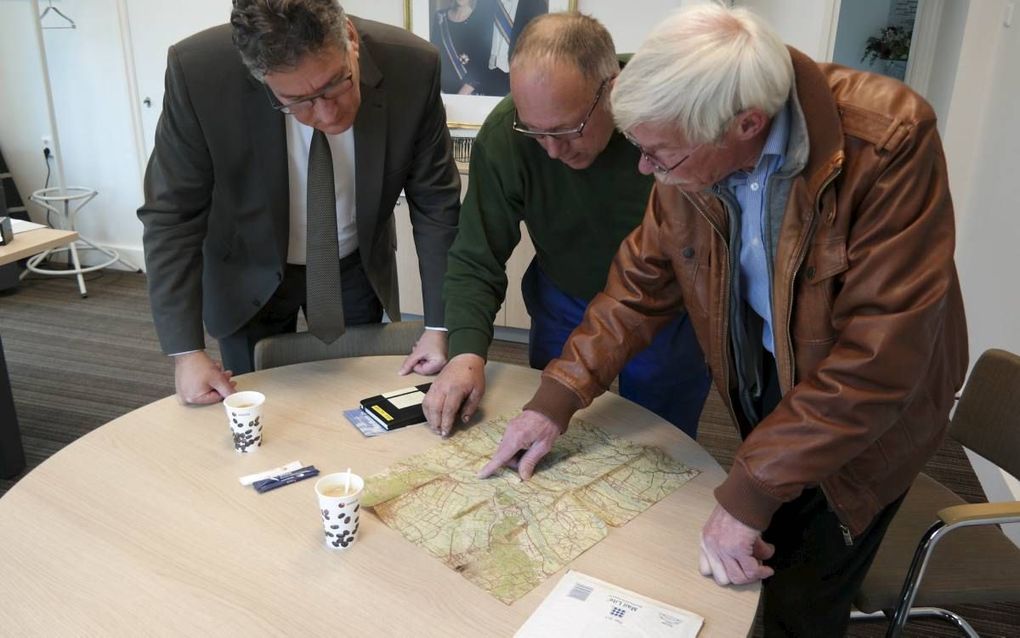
<point>749,191</point>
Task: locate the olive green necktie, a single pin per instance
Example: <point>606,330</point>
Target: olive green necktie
<point>325,311</point>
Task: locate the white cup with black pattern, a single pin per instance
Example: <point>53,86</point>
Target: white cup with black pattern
<point>340,507</point>
<point>244,411</point>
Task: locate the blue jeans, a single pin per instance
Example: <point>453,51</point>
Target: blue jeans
<point>668,377</point>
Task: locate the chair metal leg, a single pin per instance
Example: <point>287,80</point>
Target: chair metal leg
<point>946,615</point>
<point>77,270</point>
<point>913,580</point>
<point>919,564</point>
<point>861,616</point>
<point>921,612</point>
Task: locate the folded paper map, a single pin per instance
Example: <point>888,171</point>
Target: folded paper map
<point>506,535</point>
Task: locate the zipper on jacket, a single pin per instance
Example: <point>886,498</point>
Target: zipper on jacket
<point>726,303</point>
<point>848,538</point>
<point>802,251</point>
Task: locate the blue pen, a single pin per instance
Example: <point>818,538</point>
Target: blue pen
<point>285,479</point>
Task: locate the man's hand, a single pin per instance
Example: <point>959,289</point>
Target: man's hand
<point>429,354</point>
<point>530,431</point>
<point>200,379</point>
<point>732,552</point>
<point>457,390</point>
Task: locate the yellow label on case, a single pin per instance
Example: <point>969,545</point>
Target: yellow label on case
<point>382,413</point>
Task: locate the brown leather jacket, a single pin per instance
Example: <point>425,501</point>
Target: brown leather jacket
<point>870,335</point>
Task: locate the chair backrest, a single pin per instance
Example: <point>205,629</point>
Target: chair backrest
<point>987,418</point>
<point>357,341</point>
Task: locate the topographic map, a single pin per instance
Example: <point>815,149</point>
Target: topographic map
<point>506,535</point>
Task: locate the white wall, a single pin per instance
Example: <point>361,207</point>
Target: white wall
<point>629,21</point>
<point>804,24</point>
<point>946,59</point>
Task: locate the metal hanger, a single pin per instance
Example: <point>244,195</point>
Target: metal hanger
<point>49,7</point>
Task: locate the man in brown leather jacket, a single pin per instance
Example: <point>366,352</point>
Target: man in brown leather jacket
<point>802,218</point>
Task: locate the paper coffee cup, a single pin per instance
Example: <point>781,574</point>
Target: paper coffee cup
<point>244,411</point>
<point>340,508</point>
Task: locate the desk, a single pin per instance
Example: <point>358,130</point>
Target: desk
<point>26,244</point>
<point>141,526</point>
<point>33,242</point>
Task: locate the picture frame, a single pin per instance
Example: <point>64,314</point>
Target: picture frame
<point>465,113</point>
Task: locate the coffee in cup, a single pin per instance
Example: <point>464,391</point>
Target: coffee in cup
<point>340,507</point>
<point>244,412</point>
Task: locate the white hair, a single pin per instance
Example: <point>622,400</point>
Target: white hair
<point>699,68</point>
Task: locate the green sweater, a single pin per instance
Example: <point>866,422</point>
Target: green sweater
<point>576,219</point>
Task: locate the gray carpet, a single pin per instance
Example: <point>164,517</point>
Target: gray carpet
<point>76,364</point>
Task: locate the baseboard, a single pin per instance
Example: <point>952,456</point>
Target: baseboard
<point>516,335</point>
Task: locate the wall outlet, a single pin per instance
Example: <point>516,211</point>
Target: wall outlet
<point>47,146</point>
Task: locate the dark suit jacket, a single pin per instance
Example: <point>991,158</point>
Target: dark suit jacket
<point>216,209</point>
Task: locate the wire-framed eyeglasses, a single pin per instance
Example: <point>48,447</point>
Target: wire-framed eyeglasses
<point>332,91</point>
<point>656,164</point>
<point>568,134</point>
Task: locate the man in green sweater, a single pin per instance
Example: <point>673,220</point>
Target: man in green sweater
<point>550,156</point>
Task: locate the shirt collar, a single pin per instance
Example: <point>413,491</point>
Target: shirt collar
<point>775,143</point>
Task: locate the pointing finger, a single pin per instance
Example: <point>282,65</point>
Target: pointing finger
<point>504,453</point>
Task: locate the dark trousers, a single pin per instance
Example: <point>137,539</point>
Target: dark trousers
<point>279,314</point>
<point>818,572</point>
<point>669,377</point>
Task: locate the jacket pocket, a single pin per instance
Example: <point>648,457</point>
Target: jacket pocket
<point>817,285</point>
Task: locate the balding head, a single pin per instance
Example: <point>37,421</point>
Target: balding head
<point>573,38</point>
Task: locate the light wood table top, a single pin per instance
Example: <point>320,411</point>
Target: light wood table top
<point>33,242</point>
<point>141,527</point>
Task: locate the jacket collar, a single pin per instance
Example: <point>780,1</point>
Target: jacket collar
<point>821,116</point>
<point>369,138</point>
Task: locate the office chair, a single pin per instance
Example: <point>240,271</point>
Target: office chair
<point>960,556</point>
<point>357,341</point>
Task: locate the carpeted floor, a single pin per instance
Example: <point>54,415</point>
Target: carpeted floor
<point>76,364</point>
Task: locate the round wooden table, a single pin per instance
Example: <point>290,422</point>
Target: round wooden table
<point>141,527</point>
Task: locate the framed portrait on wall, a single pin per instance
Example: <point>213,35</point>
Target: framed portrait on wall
<point>475,39</point>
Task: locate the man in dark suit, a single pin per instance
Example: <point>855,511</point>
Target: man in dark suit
<point>226,194</point>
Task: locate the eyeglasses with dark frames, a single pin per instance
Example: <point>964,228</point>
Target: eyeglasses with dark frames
<point>656,164</point>
<point>568,134</point>
<point>332,91</point>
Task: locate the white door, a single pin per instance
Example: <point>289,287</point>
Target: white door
<point>154,25</point>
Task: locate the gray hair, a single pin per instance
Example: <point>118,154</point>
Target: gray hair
<point>699,68</point>
<point>274,35</point>
<point>573,37</point>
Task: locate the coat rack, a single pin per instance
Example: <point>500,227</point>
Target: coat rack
<point>67,23</point>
